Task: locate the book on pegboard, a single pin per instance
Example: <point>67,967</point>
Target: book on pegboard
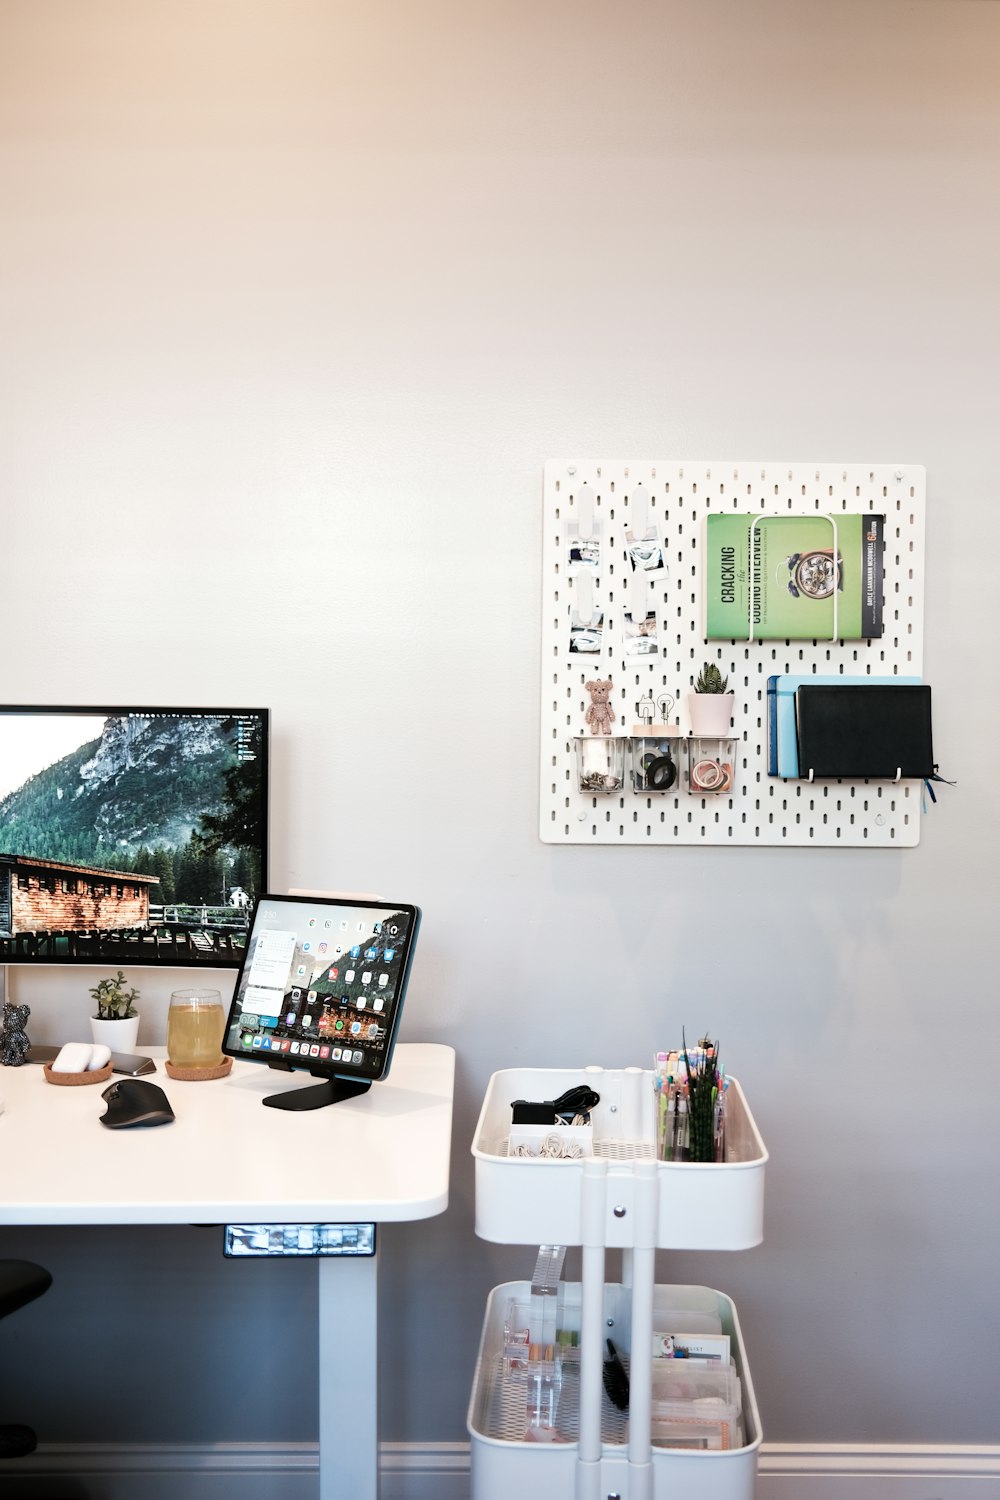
<point>815,577</point>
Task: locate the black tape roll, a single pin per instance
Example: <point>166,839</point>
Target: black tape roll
<point>661,773</point>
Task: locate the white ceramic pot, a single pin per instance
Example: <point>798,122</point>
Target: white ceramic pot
<point>120,1036</point>
<point>710,714</point>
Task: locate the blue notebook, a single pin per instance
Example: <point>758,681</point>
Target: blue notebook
<point>782,740</point>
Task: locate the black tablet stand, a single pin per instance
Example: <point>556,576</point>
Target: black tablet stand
<point>330,1091</point>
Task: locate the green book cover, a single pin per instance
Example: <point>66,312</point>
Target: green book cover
<point>789,583</point>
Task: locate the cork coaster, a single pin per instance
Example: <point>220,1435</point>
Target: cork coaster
<point>99,1075</point>
<point>197,1075</point>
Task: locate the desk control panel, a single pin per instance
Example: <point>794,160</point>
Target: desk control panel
<point>299,1239</point>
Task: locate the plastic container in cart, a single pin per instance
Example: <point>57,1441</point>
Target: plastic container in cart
<point>507,1461</point>
<point>541,1200</point>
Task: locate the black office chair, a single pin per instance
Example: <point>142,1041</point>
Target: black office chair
<point>20,1283</point>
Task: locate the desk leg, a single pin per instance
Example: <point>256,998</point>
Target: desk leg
<point>348,1378</point>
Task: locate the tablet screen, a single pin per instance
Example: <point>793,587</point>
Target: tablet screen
<point>322,984</point>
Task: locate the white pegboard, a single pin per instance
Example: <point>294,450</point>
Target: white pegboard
<point>618,498</point>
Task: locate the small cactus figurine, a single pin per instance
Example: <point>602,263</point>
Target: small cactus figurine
<point>711,680</point>
<point>14,1043</point>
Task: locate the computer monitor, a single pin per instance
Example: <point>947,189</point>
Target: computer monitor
<point>131,835</point>
<point>321,989</point>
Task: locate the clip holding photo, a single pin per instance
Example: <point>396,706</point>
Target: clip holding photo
<point>583,547</point>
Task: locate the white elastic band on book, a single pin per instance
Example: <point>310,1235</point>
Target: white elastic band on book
<point>898,776</point>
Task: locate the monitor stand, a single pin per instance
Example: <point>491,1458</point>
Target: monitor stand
<point>330,1091</point>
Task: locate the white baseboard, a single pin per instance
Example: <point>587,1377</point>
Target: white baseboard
<point>162,1471</point>
<point>878,1471</point>
<point>440,1471</point>
<point>222,1471</point>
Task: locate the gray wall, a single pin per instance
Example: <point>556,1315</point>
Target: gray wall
<point>297,298</point>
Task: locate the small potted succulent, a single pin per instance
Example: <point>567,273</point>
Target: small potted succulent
<point>116,1023</point>
<point>710,706</point>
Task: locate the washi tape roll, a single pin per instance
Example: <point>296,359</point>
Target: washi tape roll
<point>707,775</point>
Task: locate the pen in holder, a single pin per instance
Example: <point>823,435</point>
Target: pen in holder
<point>702,1089</point>
<point>690,1103</point>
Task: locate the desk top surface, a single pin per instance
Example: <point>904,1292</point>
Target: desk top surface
<point>226,1158</point>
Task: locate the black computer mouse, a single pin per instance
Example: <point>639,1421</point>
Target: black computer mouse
<point>133,1101</point>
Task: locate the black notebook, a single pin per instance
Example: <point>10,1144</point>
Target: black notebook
<point>863,730</point>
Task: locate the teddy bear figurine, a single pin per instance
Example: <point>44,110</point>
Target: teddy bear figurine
<point>14,1042</point>
<point>599,715</point>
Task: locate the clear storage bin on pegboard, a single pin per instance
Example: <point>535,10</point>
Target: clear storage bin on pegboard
<point>600,764</point>
<point>654,760</point>
<point>710,765</point>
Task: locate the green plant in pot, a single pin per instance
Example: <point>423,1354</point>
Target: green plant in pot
<point>710,706</point>
<point>116,1022</point>
<point>710,680</point>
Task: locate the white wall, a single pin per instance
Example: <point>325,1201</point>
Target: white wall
<point>297,299</point>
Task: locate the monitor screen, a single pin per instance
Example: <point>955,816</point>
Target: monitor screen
<point>321,988</point>
<point>131,835</point>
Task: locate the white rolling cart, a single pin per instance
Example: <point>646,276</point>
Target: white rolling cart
<point>616,1196</point>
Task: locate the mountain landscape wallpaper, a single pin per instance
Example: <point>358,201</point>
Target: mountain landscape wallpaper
<point>177,796</point>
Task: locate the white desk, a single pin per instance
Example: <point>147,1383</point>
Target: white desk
<point>227,1159</point>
